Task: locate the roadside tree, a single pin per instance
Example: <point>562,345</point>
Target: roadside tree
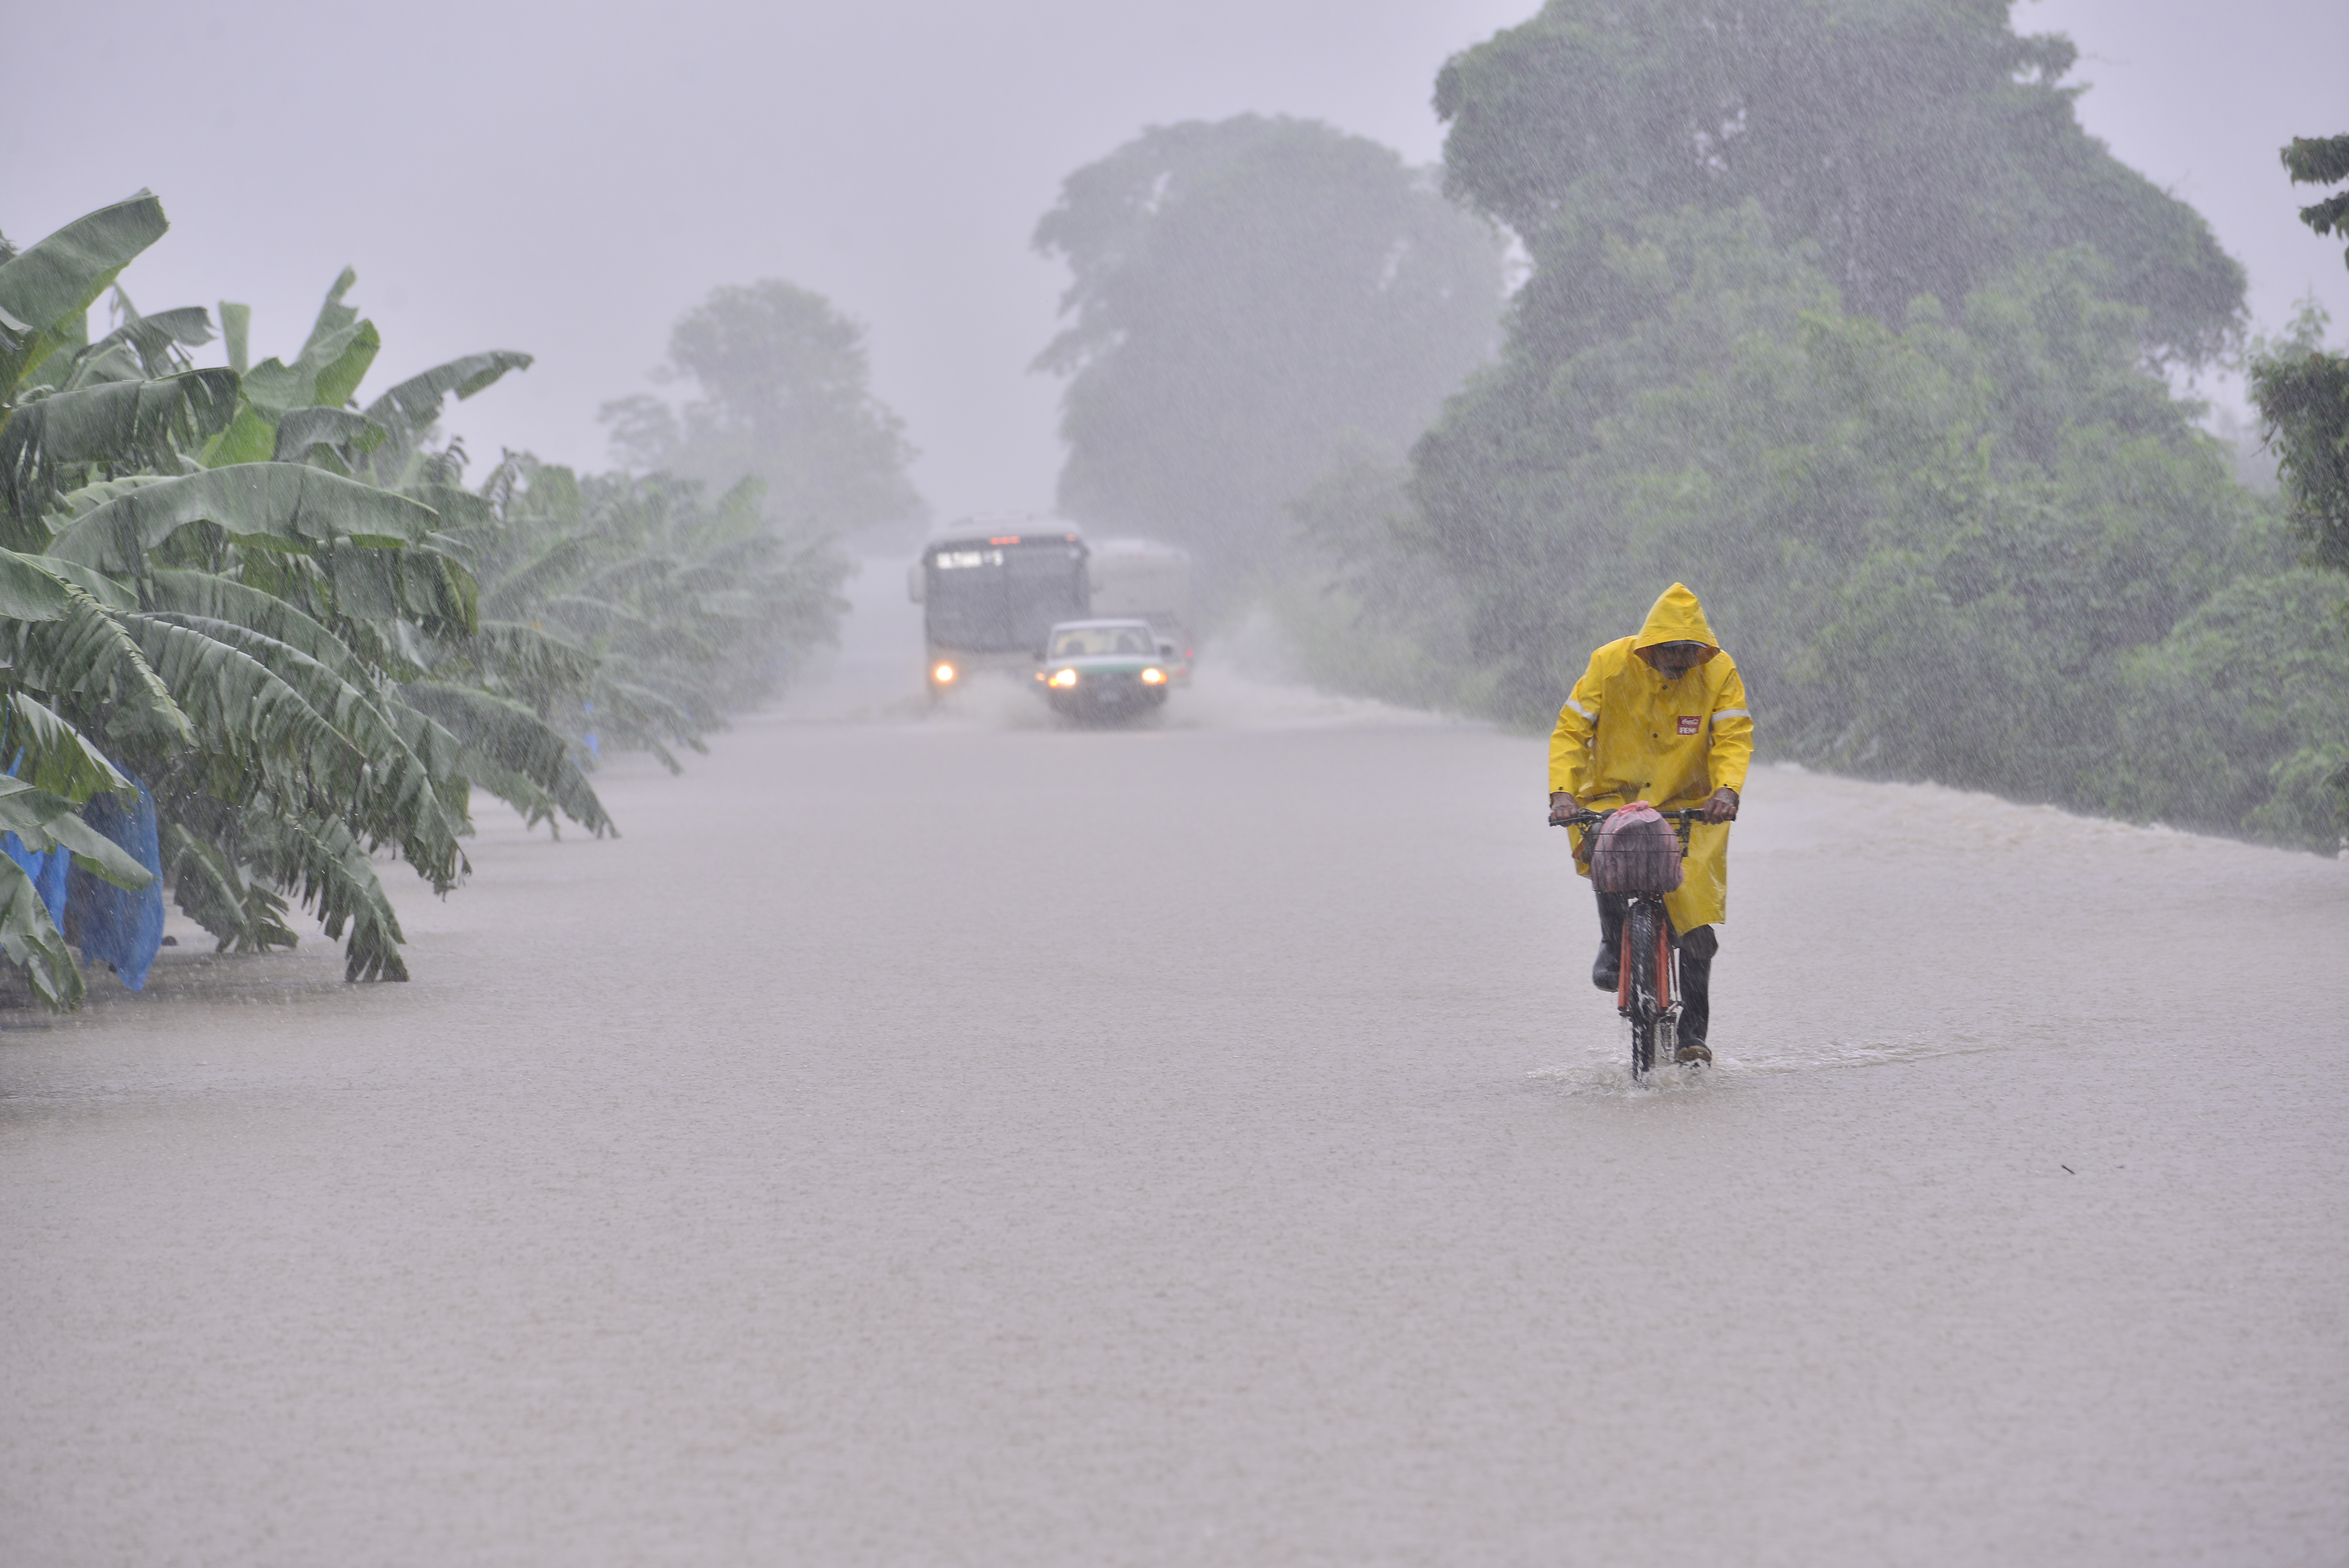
<point>1246,298</point>
<point>785,398</point>
<point>1836,314</point>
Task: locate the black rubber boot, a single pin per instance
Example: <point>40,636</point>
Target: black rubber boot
<point>1697,948</point>
<point>1608,972</point>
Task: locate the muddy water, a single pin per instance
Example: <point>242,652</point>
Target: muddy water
<point>965,1142</point>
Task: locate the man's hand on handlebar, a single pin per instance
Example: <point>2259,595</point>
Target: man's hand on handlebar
<point>1719,807</point>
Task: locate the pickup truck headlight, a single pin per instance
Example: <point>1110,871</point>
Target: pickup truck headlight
<point>1063,679</point>
<point>944,674</point>
<point>1154,678</point>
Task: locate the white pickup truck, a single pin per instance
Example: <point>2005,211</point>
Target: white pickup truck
<point>1144,581</point>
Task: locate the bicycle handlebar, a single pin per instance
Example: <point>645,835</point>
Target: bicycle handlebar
<point>1690,815</point>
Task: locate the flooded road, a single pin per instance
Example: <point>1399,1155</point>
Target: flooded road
<point>965,1142</point>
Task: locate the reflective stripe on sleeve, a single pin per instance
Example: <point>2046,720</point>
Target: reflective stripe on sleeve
<point>1582,710</point>
<point>1726,713</point>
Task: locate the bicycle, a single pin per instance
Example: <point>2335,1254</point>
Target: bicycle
<point>1647,993</point>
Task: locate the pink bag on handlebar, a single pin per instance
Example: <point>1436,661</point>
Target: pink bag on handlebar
<point>1636,850</point>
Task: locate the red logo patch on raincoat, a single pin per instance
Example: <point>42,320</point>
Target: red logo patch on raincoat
<point>1691,724</point>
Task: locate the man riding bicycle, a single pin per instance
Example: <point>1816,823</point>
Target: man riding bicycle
<point>1660,717</point>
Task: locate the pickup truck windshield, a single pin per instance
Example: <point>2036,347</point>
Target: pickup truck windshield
<point>1096,642</point>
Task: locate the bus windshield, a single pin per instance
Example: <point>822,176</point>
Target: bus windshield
<point>991,597</point>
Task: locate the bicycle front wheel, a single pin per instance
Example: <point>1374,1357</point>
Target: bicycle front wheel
<point>1647,1001</point>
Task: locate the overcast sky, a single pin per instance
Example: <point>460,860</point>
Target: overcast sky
<point>568,179</point>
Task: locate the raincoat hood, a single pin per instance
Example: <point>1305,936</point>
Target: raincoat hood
<point>1676,617</point>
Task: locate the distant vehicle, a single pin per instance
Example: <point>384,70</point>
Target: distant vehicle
<point>1152,582</point>
<point>1103,669</point>
<point>991,590</point>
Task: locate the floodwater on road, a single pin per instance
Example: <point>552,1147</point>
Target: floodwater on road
<point>963,1140</point>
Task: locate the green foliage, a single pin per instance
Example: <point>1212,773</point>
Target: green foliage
<point>2238,721</point>
<point>1349,620</point>
<point>1243,295</point>
<point>1838,317</point>
<point>113,426</point>
<point>262,603</point>
<point>2321,160</point>
<point>785,398</point>
<point>46,289</point>
<point>257,506</point>
<point>407,414</point>
<point>630,610</point>
<point>1920,144</point>
<point>2302,395</point>
<point>1939,550</point>
<point>51,755</point>
<point>47,821</point>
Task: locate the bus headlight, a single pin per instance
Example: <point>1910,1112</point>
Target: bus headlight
<point>1154,678</point>
<point>944,674</point>
<point>1064,679</point>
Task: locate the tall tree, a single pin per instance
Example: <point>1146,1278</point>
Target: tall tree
<point>1922,145</point>
<point>2301,391</point>
<point>1836,315</point>
<point>2302,396</point>
<point>785,396</point>
<point>1243,295</point>
<point>2321,160</point>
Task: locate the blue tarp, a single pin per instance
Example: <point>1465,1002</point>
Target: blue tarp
<point>48,869</point>
<point>124,929</point>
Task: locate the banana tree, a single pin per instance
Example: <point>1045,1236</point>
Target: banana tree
<point>630,610</point>
<point>277,613</point>
<point>234,635</point>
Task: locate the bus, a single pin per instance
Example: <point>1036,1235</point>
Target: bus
<point>1150,581</point>
<point>990,589</point>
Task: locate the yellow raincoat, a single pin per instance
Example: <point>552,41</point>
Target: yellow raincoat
<point>1627,733</point>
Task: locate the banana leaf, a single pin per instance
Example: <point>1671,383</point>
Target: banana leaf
<point>31,940</point>
<point>157,339</point>
<point>459,509</point>
<point>187,592</point>
<point>339,430</point>
<point>531,655</point>
<point>243,912</point>
<point>45,821</point>
<point>388,790</point>
<point>46,287</point>
<point>421,584</point>
<point>29,591</point>
<point>97,365</point>
<point>87,652</point>
<point>513,741</point>
<point>239,709</point>
<point>329,370</point>
<point>237,334</point>
<point>335,319</point>
<point>122,423</point>
<point>46,752</point>
<point>112,595</point>
<point>415,403</point>
<point>274,505</point>
<point>329,872</point>
<point>517,593</point>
